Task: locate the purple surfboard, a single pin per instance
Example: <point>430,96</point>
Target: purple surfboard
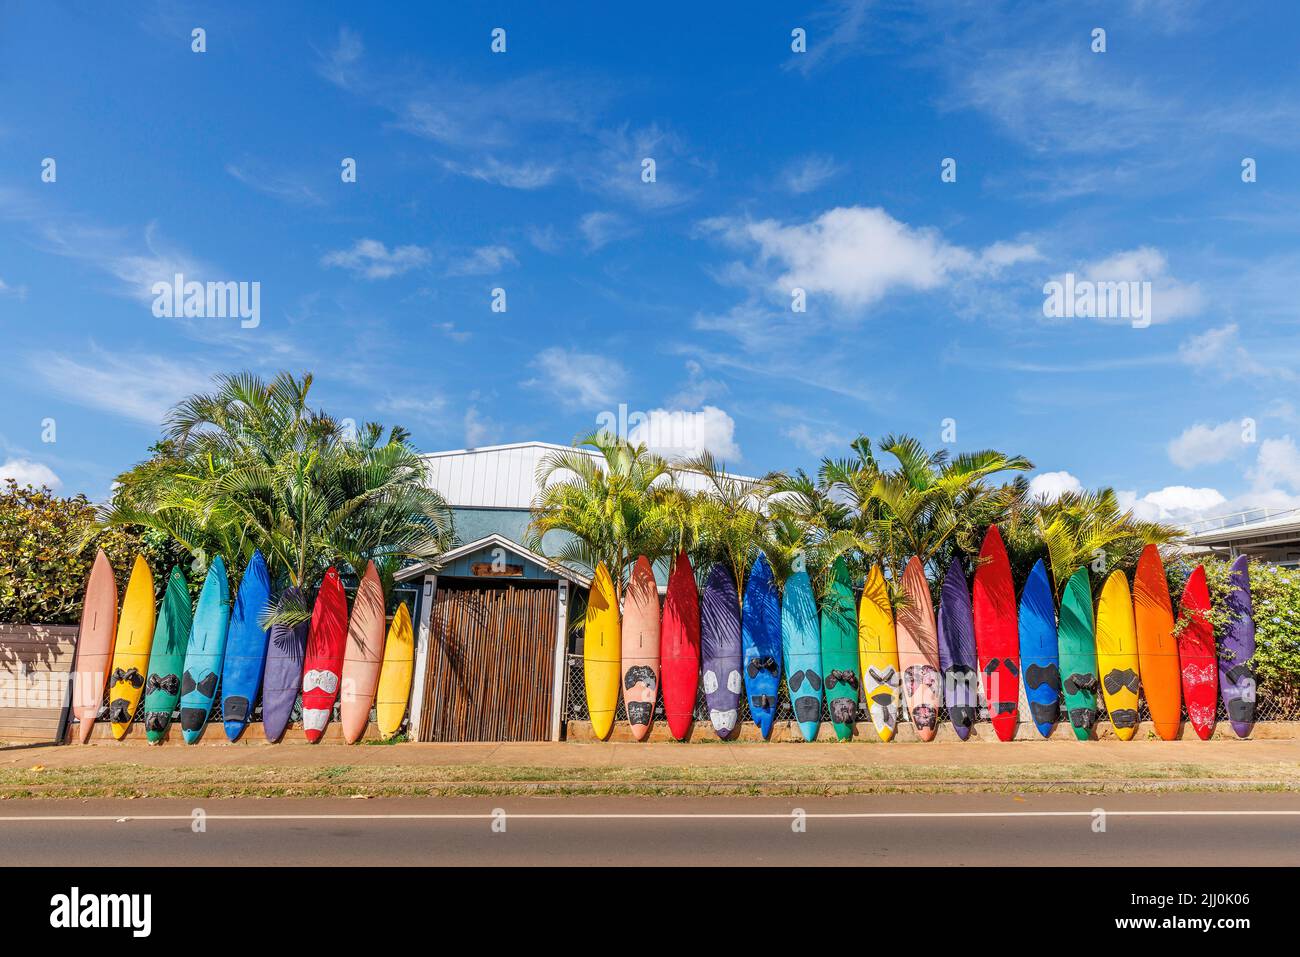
<point>1236,680</point>
<point>283,677</point>
<point>957,658</point>
<point>720,650</point>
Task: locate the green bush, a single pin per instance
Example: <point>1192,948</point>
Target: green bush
<point>1275,594</point>
<point>43,568</point>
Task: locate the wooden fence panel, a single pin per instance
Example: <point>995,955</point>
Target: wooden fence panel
<point>35,661</point>
<point>491,649</point>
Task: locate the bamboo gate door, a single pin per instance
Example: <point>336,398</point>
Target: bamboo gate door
<point>491,661</point>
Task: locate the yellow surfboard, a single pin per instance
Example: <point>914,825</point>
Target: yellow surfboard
<point>131,653</point>
<point>878,655</point>
<point>1117,655</point>
<point>601,652</point>
<point>395,674</point>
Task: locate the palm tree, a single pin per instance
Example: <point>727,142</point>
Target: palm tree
<point>929,504</point>
<point>1077,529</point>
<point>251,465</point>
<point>615,505</point>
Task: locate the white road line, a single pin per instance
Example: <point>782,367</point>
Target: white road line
<point>844,815</point>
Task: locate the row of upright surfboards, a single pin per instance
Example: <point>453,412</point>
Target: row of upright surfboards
<point>847,651</point>
<point>177,656</point>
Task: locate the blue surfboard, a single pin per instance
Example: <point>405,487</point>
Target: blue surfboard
<point>241,673</point>
<point>801,644</point>
<point>1040,660</point>
<point>957,657</point>
<point>760,644</point>
<point>204,653</point>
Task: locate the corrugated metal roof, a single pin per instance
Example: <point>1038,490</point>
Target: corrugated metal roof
<point>502,476</point>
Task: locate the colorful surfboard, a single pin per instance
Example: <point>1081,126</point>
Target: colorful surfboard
<point>322,662</point>
<point>1236,676</point>
<point>131,648</point>
<point>395,674</point>
<point>1078,649</point>
<point>601,652</point>
<point>283,677</point>
<point>1153,619</point>
<point>841,678</point>
<point>94,645</point>
<point>363,656</point>
<point>760,644</point>
<point>241,673</point>
<point>679,647</point>
<point>720,650</point>
<point>204,653</point>
<point>1198,662</point>
<point>878,655</point>
<point>993,606</point>
<point>1039,654</point>
<point>171,636</point>
<point>918,652</point>
<point>801,647</point>
<point>640,648</point>
<point>1117,655</point>
<point>957,658</point>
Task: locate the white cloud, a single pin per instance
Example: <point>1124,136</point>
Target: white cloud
<point>578,379</point>
<point>815,441</point>
<point>114,252</point>
<point>1170,298</point>
<point>525,174</point>
<point>137,386</point>
<point>27,472</point>
<point>1219,351</point>
<point>483,261</point>
<point>19,292</point>
<point>1278,464</point>
<point>1049,486</point>
<point>1207,444</point>
<point>600,228</point>
<point>677,433</point>
<point>698,387</point>
<point>858,255</point>
<point>373,260</point>
<point>1174,503</point>
<point>808,173</point>
<point>479,430</point>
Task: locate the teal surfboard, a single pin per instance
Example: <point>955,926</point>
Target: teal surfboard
<point>205,652</point>
<point>171,636</point>
<point>801,644</point>
<point>1078,650</point>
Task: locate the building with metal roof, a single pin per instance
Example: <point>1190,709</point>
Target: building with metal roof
<point>1270,535</point>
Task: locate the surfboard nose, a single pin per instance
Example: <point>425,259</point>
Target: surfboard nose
<point>963,731</point>
<point>234,729</point>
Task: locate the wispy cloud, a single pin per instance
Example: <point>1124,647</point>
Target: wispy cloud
<point>809,173</point>
<point>602,227</point>
<point>482,261</point>
<point>372,259</point>
<point>580,380</point>
<point>134,385</point>
<point>283,186</point>
<point>833,34</point>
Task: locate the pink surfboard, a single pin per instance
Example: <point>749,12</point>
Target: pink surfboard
<point>363,656</point>
<point>918,652</point>
<point>640,648</point>
<point>95,642</point>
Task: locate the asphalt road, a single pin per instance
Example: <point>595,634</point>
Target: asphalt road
<point>945,830</point>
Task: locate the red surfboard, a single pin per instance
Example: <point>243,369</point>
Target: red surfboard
<point>997,636</point>
<point>322,665</point>
<point>1196,655</point>
<point>680,649</point>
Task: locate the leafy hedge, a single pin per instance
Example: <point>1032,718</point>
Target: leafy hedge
<point>1275,594</point>
<point>43,566</point>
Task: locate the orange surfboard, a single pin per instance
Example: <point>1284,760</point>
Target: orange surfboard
<point>640,648</point>
<point>95,642</point>
<point>362,656</point>
<point>1158,660</point>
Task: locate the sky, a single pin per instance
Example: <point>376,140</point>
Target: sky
<point>748,247</point>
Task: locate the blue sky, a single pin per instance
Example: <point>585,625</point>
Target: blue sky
<point>774,170</point>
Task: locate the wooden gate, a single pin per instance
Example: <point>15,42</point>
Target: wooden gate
<point>491,662</point>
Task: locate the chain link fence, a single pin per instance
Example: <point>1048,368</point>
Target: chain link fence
<point>576,705</point>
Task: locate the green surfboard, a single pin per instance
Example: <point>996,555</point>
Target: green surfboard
<point>840,674</point>
<point>171,636</point>
<point>1078,647</point>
